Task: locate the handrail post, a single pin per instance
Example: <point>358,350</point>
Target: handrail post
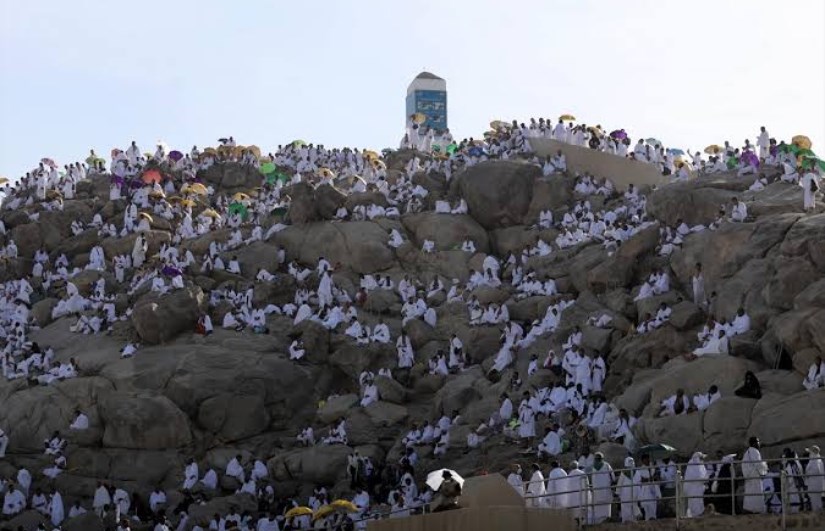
<point>678,495</point>
<point>733,490</point>
<point>783,491</point>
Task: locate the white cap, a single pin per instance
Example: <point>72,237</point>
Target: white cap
<point>629,462</point>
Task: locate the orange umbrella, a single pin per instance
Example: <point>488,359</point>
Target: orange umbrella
<point>151,176</point>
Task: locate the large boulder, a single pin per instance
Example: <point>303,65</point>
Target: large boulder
<point>787,420</point>
<point>159,319</point>
<point>726,423</point>
<point>143,422</point>
<point>115,246</point>
<point>499,193</point>
<point>321,465</point>
<point>447,231</point>
<point>696,202</point>
<point>27,238</point>
<point>357,245</point>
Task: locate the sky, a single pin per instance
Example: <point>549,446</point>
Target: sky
<point>98,74</point>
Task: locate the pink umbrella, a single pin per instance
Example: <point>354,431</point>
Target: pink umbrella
<point>48,162</point>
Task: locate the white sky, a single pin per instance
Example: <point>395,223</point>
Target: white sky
<point>94,74</point>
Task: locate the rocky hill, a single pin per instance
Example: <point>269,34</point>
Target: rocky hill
<point>234,393</point>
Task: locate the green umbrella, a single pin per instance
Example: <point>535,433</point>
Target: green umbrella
<point>805,153</point>
<point>452,148</point>
<point>267,167</point>
<point>277,176</point>
<point>732,162</point>
<point>298,143</point>
<point>279,211</point>
<point>809,161</point>
<point>239,208</point>
<point>657,451</point>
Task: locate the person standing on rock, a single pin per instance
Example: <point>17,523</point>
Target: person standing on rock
<point>810,186</point>
<point>602,479</point>
<point>753,470</point>
<point>515,480</point>
<point>698,282</point>
<point>4,443</point>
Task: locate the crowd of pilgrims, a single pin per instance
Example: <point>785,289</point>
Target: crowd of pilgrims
<point>164,185</point>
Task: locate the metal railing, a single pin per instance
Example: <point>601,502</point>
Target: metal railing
<point>794,495</point>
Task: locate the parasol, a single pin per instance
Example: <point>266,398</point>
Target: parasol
<point>147,217</point>
<point>653,142</point>
<point>499,124</point>
<point>239,208</point>
<point>175,155</point>
<point>802,141</point>
<point>267,167</point>
<point>240,196</point>
<point>151,176</point>
<point>436,478</point>
<point>210,213</point>
<point>619,134</point>
<point>323,512</point>
<point>657,451</point>
<point>3,180</point>
<point>567,118</point>
<point>713,149</point>
<point>345,505</point>
<point>418,118</point>
<point>298,511</point>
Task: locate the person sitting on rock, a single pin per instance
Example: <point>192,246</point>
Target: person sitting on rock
<point>704,401</point>
<point>307,436</point>
<point>741,323</point>
<point>739,212</point>
<point>816,375</point>
<point>677,404</point>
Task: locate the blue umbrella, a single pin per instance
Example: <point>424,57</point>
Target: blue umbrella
<point>475,151</point>
<point>676,152</point>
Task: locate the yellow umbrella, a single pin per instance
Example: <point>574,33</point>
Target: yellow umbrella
<point>714,149</point>
<point>147,217</point>
<point>209,151</point>
<point>240,196</point>
<point>3,180</point>
<point>567,118</point>
<point>370,154</point>
<point>499,124</point>
<point>156,194</point>
<point>298,511</point>
<point>147,155</point>
<point>187,203</point>
<point>595,130</point>
<point>802,141</point>
<point>323,511</point>
<point>53,194</point>
<point>210,213</point>
<point>255,150</point>
<point>379,164</point>
<point>199,189</point>
<point>174,198</point>
<point>345,505</point>
<point>418,118</point>
<point>325,172</point>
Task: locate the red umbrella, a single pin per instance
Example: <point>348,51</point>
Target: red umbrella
<point>151,176</point>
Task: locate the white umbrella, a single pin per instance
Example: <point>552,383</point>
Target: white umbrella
<point>436,478</point>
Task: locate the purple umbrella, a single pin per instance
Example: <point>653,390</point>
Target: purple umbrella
<point>749,157</point>
<point>117,180</point>
<point>170,271</point>
<point>619,134</point>
<point>175,155</point>
<point>136,183</point>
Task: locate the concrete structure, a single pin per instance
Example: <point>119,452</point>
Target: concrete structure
<point>427,94</point>
<point>488,503</point>
<point>622,171</point>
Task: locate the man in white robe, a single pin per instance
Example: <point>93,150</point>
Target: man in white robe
<point>753,470</point>
<point>602,479</point>
<point>535,488</point>
<point>626,490</point>
<point>695,482</point>
<point>551,444</point>
<point>648,491</point>
<point>515,480</point>
<point>815,478</point>
<point>556,485</point>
